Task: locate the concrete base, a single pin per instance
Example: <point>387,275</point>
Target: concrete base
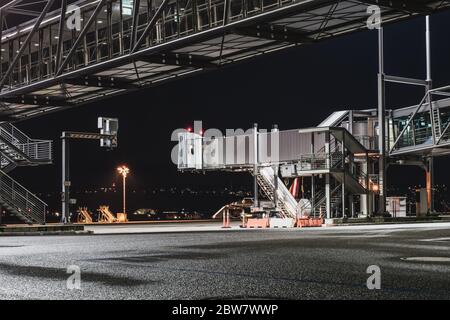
<point>382,220</point>
<point>50,229</point>
<point>281,223</point>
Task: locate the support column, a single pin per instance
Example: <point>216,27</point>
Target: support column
<point>351,206</point>
<point>430,184</point>
<point>328,196</point>
<point>430,164</point>
<point>65,218</point>
<point>313,189</point>
<point>344,175</point>
<point>428,48</point>
<point>313,194</point>
<point>350,121</point>
<point>327,176</point>
<point>381,125</point>
<point>275,191</point>
<point>343,197</point>
<point>255,166</point>
<point>275,173</point>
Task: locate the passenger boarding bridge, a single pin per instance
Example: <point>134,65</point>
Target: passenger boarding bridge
<point>60,54</point>
<point>340,156</point>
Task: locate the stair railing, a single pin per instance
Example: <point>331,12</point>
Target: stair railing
<point>34,149</point>
<point>21,200</point>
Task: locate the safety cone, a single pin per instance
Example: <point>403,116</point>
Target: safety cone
<point>226,220</point>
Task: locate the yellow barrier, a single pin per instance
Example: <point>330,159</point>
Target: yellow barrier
<point>106,215</point>
<point>84,216</point>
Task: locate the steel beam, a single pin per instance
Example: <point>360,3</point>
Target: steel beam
<point>403,80</point>
<point>274,32</point>
<point>10,4</point>
<point>62,19</point>
<point>134,23</point>
<point>401,5</point>
<point>24,12</point>
<point>180,59</point>
<point>37,100</point>
<point>86,135</point>
<point>441,93</point>
<point>443,133</point>
<point>102,82</point>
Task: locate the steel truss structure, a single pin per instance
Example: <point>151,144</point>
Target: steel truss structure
<point>60,54</point>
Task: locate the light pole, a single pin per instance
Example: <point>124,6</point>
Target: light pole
<point>124,171</point>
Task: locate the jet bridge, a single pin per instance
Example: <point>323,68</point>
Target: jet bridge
<point>329,152</point>
<point>61,54</point>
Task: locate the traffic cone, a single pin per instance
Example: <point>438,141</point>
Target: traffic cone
<point>226,219</point>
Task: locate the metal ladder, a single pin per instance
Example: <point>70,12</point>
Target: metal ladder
<point>437,123</point>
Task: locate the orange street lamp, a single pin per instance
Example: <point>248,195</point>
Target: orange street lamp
<point>124,171</point>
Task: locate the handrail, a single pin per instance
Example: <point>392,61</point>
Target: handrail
<point>360,176</point>
<point>18,184</point>
<point>34,149</point>
<point>322,199</point>
<point>284,196</point>
<point>22,200</point>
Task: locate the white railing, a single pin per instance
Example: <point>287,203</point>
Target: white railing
<point>283,194</point>
<point>33,149</point>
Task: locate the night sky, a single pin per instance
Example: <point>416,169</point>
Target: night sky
<point>295,88</point>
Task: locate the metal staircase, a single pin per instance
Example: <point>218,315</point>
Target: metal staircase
<point>334,119</point>
<point>320,208</point>
<point>6,165</point>
<point>17,149</point>
<point>20,202</point>
<point>355,182</point>
<point>286,201</point>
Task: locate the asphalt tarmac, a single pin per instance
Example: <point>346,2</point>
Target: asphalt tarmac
<point>327,263</point>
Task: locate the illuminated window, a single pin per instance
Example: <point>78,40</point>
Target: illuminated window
<point>127,7</point>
